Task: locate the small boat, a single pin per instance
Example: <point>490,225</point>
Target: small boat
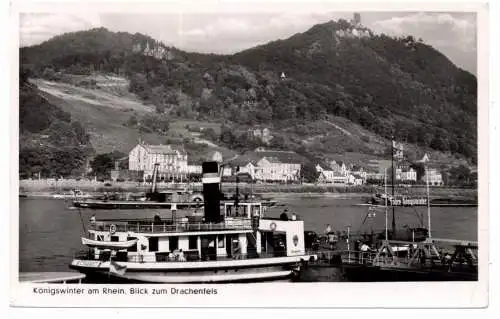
<point>109,244</point>
<point>408,201</point>
<point>233,242</point>
<point>74,194</point>
<point>380,199</point>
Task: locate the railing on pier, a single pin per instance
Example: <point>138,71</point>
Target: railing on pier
<point>410,259</point>
<point>169,227</point>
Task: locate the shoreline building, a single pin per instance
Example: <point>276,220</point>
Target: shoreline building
<point>172,162</point>
<point>435,178</point>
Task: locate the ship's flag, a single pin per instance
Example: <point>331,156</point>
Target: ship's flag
<point>117,269</point>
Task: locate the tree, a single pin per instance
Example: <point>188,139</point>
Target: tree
<point>309,173</point>
<point>102,164</point>
<point>62,134</point>
<point>210,134</point>
<point>420,169</point>
<point>81,134</point>
<point>461,175</point>
<point>226,135</point>
<point>155,123</point>
<point>132,121</point>
<point>277,142</point>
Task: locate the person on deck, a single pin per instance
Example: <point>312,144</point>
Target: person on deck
<point>332,240</point>
<point>328,229</point>
<point>181,256</point>
<point>171,256</point>
<point>284,215</point>
<point>93,219</point>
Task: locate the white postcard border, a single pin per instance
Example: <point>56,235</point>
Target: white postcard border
<point>376,295</point>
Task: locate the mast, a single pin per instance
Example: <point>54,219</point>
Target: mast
<point>155,174</point>
<point>385,186</point>
<point>428,204</point>
<point>237,199</point>
<point>392,173</point>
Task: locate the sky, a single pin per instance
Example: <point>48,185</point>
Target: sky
<point>453,34</point>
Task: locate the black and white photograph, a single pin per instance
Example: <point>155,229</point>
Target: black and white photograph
<point>197,149</point>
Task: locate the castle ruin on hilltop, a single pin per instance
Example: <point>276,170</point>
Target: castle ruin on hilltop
<point>156,50</point>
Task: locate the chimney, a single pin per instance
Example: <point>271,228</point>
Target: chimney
<point>211,191</point>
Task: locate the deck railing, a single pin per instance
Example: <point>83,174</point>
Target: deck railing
<point>165,257</point>
<point>351,257</point>
<point>164,227</point>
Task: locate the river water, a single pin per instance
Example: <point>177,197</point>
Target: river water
<point>50,232</point>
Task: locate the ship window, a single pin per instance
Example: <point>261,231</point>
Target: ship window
<point>153,243</point>
<point>134,247</point>
<point>193,242</point>
<point>173,243</point>
<point>220,241</point>
<point>115,238</point>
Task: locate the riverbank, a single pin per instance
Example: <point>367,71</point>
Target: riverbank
<point>48,188</point>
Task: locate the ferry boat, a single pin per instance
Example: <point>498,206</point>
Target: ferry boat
<point>237,243</point>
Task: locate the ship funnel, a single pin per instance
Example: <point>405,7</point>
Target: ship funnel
<point>211,191</point>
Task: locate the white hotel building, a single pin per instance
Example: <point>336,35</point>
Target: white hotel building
<point>172,162</point>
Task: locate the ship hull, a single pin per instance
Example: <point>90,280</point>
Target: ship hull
<point>285,268</point>
<point>97,204</point>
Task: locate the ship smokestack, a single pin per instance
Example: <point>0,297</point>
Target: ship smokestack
<point>211,191</point>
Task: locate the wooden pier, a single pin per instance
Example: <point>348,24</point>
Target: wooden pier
<point>51,277</point>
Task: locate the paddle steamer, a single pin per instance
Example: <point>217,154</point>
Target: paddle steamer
<point>233,242</point>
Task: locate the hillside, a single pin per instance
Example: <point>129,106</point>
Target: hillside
<point>51,142</point>
<point>346,90</point>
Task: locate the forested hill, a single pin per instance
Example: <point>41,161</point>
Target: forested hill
<point>390,86</point>
<point>49,141</point>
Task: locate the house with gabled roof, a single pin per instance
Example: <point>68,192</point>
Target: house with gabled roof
<point>245,165</point>
<point>331,177</point>
<point>340,167</point>
<point>355,179</point>
<point>425,158</point>
<point>270,165</point>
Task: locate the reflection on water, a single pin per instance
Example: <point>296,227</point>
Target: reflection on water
<point>49,232</point>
